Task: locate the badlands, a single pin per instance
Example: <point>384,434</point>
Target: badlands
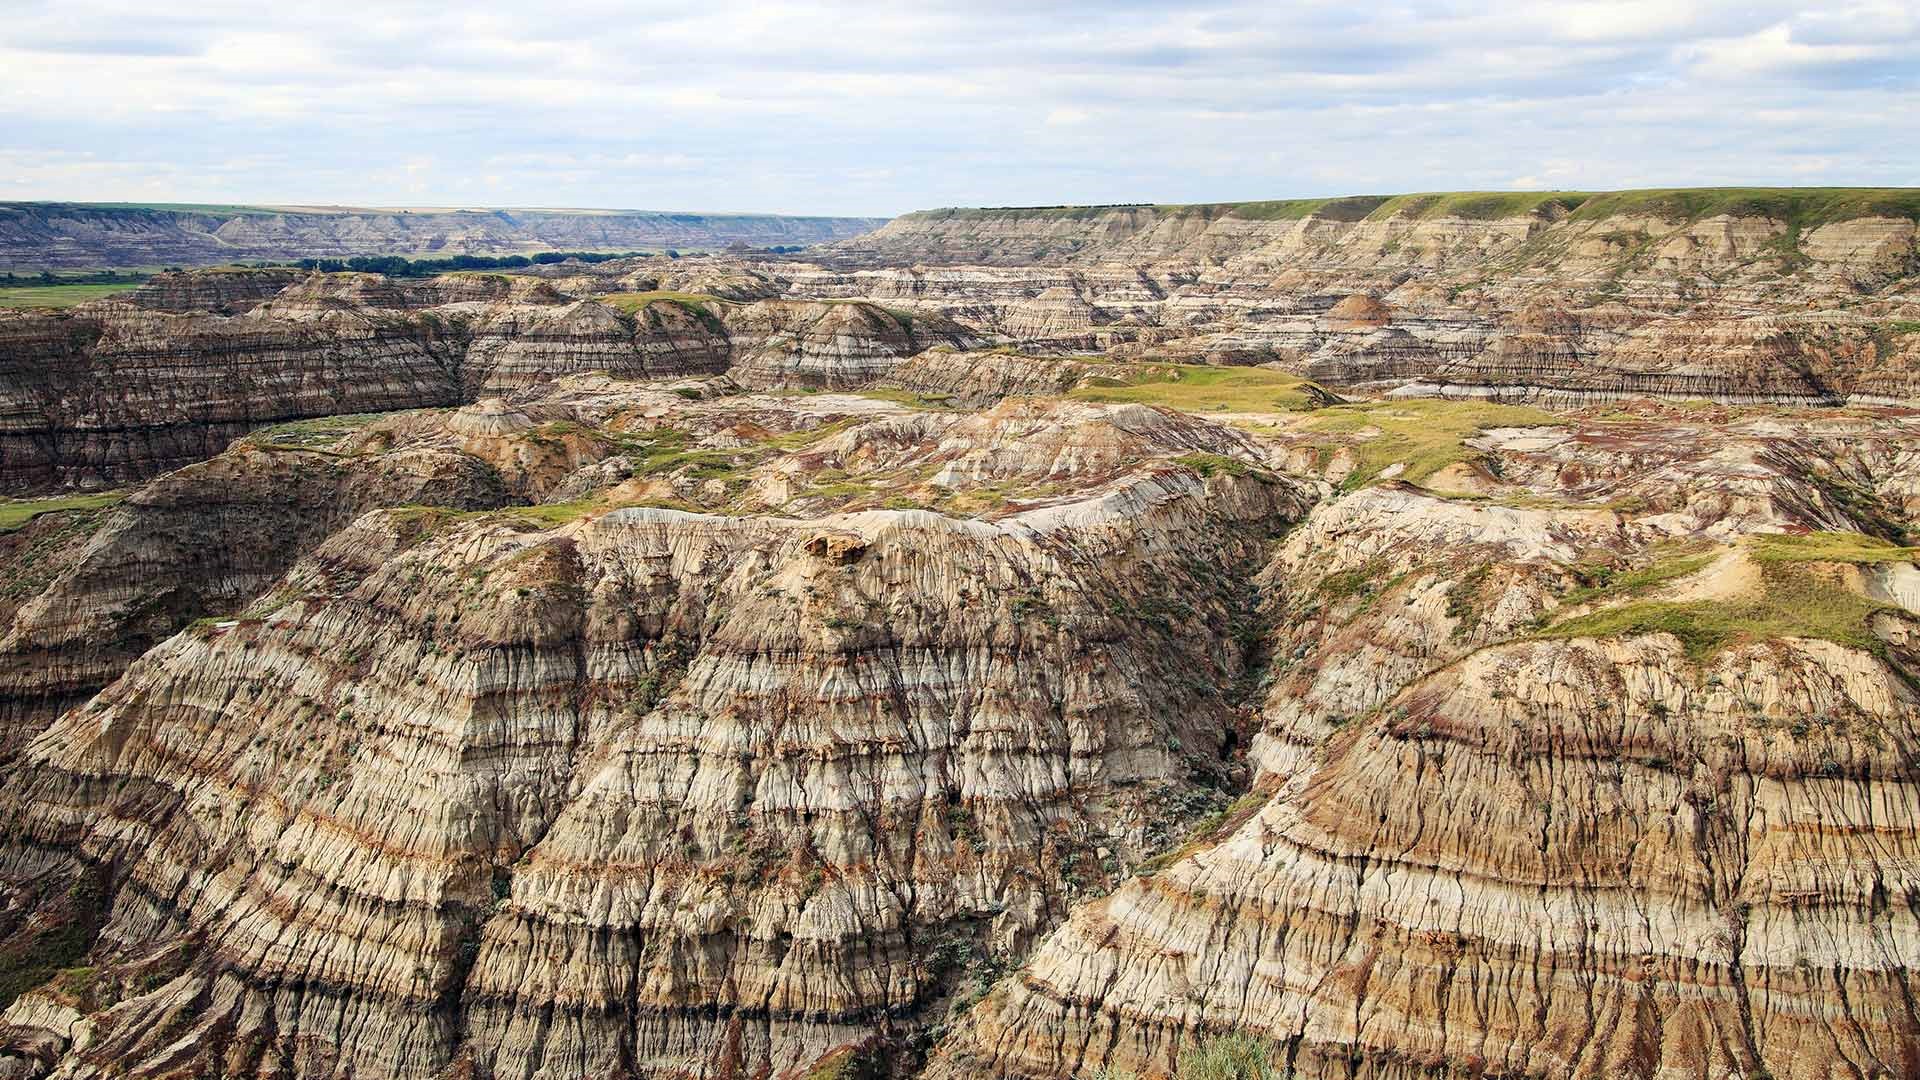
<point>1439,636</point>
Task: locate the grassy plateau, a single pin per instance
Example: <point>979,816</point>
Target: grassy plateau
<point>15,513</point>
<point>58,296</point>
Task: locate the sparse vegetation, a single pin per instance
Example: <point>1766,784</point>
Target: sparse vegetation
<point>1208,831</point>
<point>42,949</point>
<point>1212,464</point>
<point>909,398</point>
<point>1793,600</point>
<point>551,513</point>
<point>1364,580</point>
<point>315,433</point>
<point>1668,563</point>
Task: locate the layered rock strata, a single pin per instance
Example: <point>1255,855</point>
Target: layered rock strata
<point>200,542</point>
<point>686,792</point>
<point>112,392</point>
<point>828,344</point>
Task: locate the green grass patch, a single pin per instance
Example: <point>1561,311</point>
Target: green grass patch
<point>1793,601</point>
<point>1800,208</point>
<point>800,440</point>
<point>1202,388</point>
<point>15,513</point>
<point>1478,205</point>
<point>1347,208</point>
<point>1669,563</point>
<point>58,296</point>
<point>699,305</point>
<point>631,302</point>
<point>844,489</point>
<point>1804,208</point>
<point>1426,434</point>
<point>1362,580</point>
<point>1841,547</point>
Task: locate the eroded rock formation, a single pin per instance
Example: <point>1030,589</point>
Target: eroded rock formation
<point>720,668</point>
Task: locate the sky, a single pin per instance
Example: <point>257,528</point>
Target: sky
<point>879,108</point>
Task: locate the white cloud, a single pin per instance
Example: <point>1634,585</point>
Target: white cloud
<point>854,108</point>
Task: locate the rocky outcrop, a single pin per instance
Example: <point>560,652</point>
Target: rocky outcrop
<point>221,292</point>
<point>202,541</point>
<point>647,792</point>
<point>111,393</point>
<point>779,343</point>
<point>1667,901</point>
<point>979,378</point>
<point>1488,836</point>
<point>526,344</point>
<point>1870,229</point>
<point>1735,296</point>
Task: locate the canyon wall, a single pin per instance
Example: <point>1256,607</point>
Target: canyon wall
<point>118,390</point>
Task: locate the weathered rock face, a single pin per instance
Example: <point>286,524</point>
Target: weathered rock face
<point>1872,235</point>
<point>722,684</point>
<point>680,790</point>
<point>977,378</point>
<point>1474,849</point>
<point>204,540</point>
<point>828,344</point>
<point>589,788</point>
<point>114,393</point>
<point>222,292</point>
<point>523,345</point>
<point>1662,900</point>
<point>1438,295</point>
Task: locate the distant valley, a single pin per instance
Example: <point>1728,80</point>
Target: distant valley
<point>44,236</point>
